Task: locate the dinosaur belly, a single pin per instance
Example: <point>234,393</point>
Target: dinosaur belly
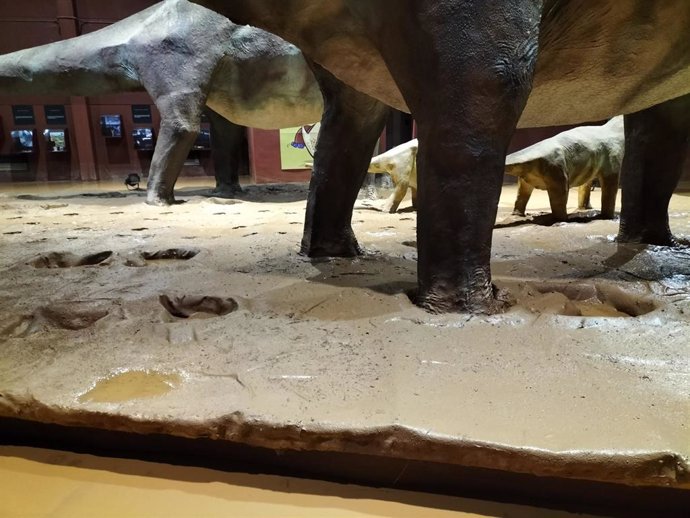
<point>266,92</point>
<point>600,59</point>
<point>596,59</point>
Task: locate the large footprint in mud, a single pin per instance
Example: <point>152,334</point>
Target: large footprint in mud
<point>160,256</point>
<point>585,300</point>
<point>69,260</point>
<point>187,306</point>
<point>71,316</point>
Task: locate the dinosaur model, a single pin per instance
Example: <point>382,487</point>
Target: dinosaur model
<point>573,158</point>
<point>400,163</point>
<point>187,58</point>
<point>471,73</point>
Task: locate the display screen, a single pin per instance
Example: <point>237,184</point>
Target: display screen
<point>23,115</point>
<point>143,139</point>
<point>203,140</point>
<point>55,114</point>
<point>56,140</point>
<point>141,114</point>
<point>22,141</point>
<point>111,126</point>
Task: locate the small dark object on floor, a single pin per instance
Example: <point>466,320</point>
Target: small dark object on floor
<point>132,182</point>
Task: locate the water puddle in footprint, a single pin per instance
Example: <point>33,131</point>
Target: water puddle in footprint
<point>132,385</point>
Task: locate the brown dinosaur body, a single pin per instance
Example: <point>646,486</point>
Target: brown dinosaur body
<point>470,73</point>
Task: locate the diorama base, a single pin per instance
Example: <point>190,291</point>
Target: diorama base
<point>202,321</point>
<point>66,446</point>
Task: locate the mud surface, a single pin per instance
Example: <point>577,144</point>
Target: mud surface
<point>201,319</point>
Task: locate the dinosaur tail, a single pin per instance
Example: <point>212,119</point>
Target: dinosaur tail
<point>86,65</point>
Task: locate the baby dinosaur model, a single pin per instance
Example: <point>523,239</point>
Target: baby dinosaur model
<point>574,158</point>
<point>186,57</point>
<point>470,73</point>
<point>400,163</point>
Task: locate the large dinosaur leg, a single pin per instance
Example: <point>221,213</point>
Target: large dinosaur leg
<point>180,119</point>
<point>466,72</point>
<point>524,193</point>
<point>393,202</point>
<point>558,198</point>
<point>609,192</point>
<point>229,153</point>
<point>584,193</point>
<point>413,181</point>
<point>351,124</point>
<point>655,151</point>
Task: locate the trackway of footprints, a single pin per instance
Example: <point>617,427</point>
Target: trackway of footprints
<point>566,299</point>
<point>79,315</point>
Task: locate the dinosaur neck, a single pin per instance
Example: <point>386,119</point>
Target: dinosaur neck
<point>78,66</point>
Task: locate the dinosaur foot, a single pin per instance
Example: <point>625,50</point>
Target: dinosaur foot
<point>226,191</point>
<point>347,246</point>
<point>659,238</point>
<point>483,302</point>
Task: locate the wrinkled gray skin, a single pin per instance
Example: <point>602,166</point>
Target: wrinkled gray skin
<point>186,57</point>
<point>573,158</point>
<point>471,72</point>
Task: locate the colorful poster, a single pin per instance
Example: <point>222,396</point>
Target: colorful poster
<point>297,147</point>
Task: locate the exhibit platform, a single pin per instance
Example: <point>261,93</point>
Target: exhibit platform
<point>202,321</point>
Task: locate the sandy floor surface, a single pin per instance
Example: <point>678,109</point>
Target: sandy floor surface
<point>76,486</point>
<point>202,319</point>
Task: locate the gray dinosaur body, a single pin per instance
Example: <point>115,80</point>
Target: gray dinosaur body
<point>186,57</point>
